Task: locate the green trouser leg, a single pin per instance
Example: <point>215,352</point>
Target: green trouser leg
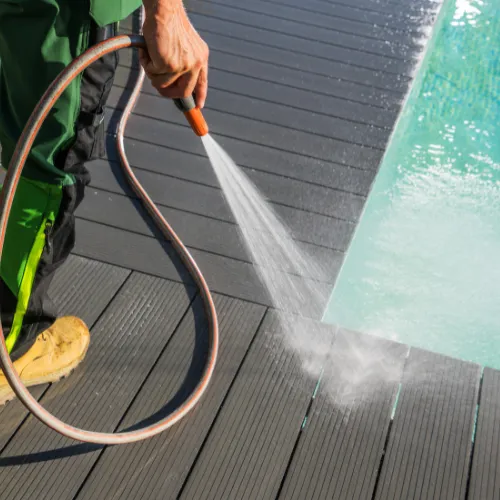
<point>38,38</point>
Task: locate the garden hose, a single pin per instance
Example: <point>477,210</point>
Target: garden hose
<point>7,194</point>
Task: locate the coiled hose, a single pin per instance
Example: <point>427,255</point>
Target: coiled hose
<point>6,197</point>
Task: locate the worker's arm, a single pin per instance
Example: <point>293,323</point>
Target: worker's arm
<point>177,59</point>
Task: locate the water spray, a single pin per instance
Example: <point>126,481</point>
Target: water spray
<point>21,152</point>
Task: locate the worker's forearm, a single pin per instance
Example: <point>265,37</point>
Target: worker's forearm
<point>162,7</point>
<point>176,60</point>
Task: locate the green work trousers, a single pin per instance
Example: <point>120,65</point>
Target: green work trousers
<point>38,38</point>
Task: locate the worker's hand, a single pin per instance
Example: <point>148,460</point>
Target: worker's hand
<point>177,58</point>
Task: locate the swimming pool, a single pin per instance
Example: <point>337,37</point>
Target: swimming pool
<point>423,267</point>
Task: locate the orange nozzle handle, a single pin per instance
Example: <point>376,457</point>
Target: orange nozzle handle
<point>193,115</point>
<point>197,121</point>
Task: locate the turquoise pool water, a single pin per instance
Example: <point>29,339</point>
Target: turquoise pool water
<point>424,265</point>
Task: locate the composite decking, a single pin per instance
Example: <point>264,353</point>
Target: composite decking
<point>304,97</point>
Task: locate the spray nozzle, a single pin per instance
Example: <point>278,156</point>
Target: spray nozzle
<point>193,114</point>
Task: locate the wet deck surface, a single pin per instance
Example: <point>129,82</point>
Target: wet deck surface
<point>304,97</point>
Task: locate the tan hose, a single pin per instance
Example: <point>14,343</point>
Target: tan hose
<point>13,175</point>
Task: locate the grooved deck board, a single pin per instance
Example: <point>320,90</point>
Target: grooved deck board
<point>350,45</point>
<point>341,445</point>
<point>80,287</point>
<point>430,441</point>
<point>129,250</point>
<point>290,194</point>
<point>181,160</point>
<point>270,93</point>
<point>323,19</point>
<point>407,13</point>
<point>247,452</point>
<point>335,211</point>
<point>253,131</point>
<point>147,255</point>
<point>485,472</point>
<point>373,14</point>
<point>306,73</point>
<point>157,468</point>
<point>308,66</point>
<point>83,287</point>
<point>126,342</point>
<point>13,414</point>
<point>296,121</point>
<point>196,232</point>
<point>313,228</point>
<point>231,42</point>
<point>356,64</point>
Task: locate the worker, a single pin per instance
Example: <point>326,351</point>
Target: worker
<point>38,39</point>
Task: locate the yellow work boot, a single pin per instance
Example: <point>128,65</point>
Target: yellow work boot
<point>55,353</point>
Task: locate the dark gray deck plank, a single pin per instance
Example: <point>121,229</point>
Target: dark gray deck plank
<point>145,254</point>
<point>309,17</point>
<point>354,46</point>
<point>355,63</point>
<point>322,59</point>
<point>247,452</point>
<point>235,26</point>
<point>186,161</point>
<point>316,76</point>
<point>126,342</point>
<point>296,120</point>
<point>397,20</point>
<point>129,250</point>
<point>485,472</point>
<point>197,199</point>
<point>341,445</point>
<point>196,231</point>
<point>281,192</point>
<point>309,144</point>
<point>256,133</point>
<point>310,73</point>
<point>158,467</point>
<point>430,442</point>
<point>351,13</point>
<point>371,14</point>
<point>13,414</point>
<point>408,13</point>
<point>267,92</point>
<point>82,288</point>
